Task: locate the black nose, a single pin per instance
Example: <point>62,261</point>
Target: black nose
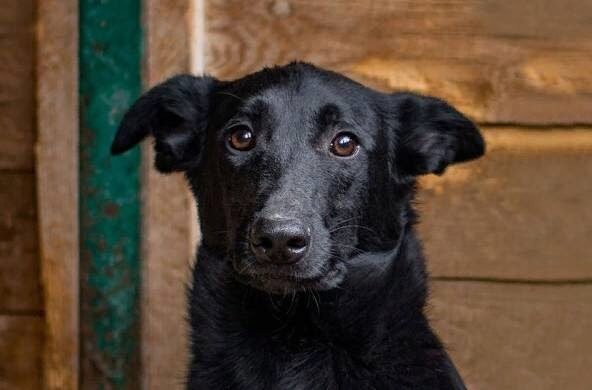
<point>279,240</point>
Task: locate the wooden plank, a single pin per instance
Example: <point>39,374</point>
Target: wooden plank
<point>532,68</point>
<point>166,199</point>
<point>17,92</point>
<point>20,351</point>
<point>16,15</point>
<point>20,287</point>
<point>508,336</point>
<point>18,66</point>
<point>524,211</point>
<point>57,186</point>
<point>21,341</point>
<point>17,123</point>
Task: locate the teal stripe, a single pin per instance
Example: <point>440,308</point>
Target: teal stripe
<point>110,79</point>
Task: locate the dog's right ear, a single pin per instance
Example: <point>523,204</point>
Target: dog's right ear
<point>175,113</point>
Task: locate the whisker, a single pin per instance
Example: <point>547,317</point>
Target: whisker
<point>231,95</point>
<point>352,227</point>
<point>316,301</point>
<point>342,222</point>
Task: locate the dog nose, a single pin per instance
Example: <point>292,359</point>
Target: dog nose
<point>282,241</point>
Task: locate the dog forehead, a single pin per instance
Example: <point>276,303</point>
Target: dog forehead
<point>296,86</point>
<point>308,103</point>
<point>299,102</point>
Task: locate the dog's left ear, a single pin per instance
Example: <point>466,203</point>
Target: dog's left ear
<point>175,113</point>
<point>432,135</point>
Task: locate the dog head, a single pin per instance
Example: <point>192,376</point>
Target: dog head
<point>296,169</point>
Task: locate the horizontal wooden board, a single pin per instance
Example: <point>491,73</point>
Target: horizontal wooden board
<point>524,211</point>
<point>20,289</point>
<point>21,340</point>
<point>499,61</point>
<point>516,336</point>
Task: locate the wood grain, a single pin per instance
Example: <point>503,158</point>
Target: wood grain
<point>512,336</point>
<point>166,216</point>
<point>20,287</point>
<point>57,187</point>
<point>21,311</point>
<point>531,68</point>
<point>524,211</point>
<point>20,352</point>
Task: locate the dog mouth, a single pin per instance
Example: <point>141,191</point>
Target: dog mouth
<point>288,282</point>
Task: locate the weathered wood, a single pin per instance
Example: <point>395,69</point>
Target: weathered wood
<point>17,92</point>
<point>20,287</point>
<point>524,211</point>
<point>510,336</point>
<point>534,67</point>
<point>21,344</point>
<point>57,187</point>
<point>166,205</point>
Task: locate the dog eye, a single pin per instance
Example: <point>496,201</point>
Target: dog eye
<point>344,145</point>
<point>241,138</point>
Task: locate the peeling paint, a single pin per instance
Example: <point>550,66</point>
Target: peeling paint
<point>110,78</point>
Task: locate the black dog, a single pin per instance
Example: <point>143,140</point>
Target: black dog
<point>309,274</point>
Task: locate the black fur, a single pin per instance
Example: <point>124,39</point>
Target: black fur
<point>350,314</point>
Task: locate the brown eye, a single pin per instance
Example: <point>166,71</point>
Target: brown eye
<point>344,145</point>
<point>241,138</point>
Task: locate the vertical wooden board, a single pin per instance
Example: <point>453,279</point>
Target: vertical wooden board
<point>20,287</point>
<point>109,81</point>
<point>524,211</point>
<point>531,68</point>
<point>166,201</point>
<point>21,341</point>
<point>509,336</point>
<point>57,187</point>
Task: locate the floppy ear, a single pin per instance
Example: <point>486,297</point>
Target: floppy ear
<point>175,113</point>
<point>433,135</point>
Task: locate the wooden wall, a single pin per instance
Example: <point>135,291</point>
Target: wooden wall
<point>21,308</point>
<point>507,237</point>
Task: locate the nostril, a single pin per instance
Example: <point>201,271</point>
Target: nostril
<point>297,243</point>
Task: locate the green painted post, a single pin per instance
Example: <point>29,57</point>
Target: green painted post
<point>110,79</point>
